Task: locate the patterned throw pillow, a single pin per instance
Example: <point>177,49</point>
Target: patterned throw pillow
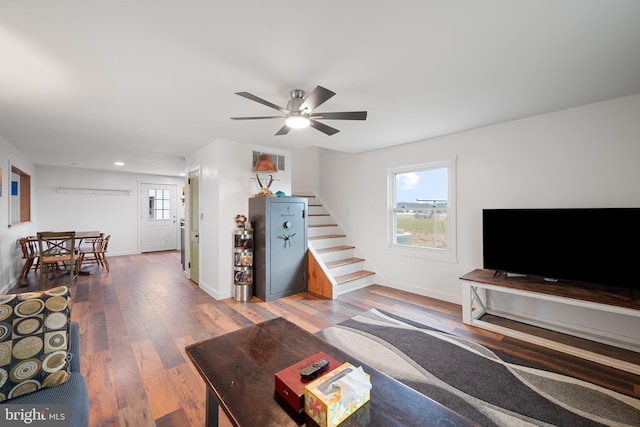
<point>34,341</point>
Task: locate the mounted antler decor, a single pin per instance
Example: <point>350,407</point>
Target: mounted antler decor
<point>265,164</point>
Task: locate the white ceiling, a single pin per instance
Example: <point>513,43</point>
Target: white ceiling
<point>149,81</point>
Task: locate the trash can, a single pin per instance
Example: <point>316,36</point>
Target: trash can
<point>243,292</point>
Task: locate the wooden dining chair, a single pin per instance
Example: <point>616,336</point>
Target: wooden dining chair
<point>29,246</point>
<point>92,251</point>
<point>58,253</point>
<point>103,252</point>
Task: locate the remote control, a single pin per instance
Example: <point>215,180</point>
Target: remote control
<point>313,368</point>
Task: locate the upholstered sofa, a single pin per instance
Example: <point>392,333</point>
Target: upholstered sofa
<point>72,393</point>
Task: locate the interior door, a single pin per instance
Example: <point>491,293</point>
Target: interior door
<point>159,225</point>
<point>194,227</point>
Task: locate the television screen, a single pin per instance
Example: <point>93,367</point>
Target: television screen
<point>591,246</point>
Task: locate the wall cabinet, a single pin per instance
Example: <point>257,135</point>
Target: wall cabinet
<point>279,245</point>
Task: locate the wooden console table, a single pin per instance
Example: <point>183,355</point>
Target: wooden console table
<point>239,367</point>
<point>474,306</point>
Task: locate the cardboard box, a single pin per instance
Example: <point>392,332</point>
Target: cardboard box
<point>324,404</point>
<point>290,385</point>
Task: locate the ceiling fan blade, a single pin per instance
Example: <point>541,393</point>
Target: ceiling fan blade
<point>283,130</point>
<point>345,115</point>
<point>323,128</point>
<point>316,98</point>
<point>257,118</point>
<point>263,102</point>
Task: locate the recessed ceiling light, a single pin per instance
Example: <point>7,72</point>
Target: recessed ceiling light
<point>182,174</point>
<point>118,163</point>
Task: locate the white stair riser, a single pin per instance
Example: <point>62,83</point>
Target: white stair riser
<point>323,231</point>
<point>337,255</point>
<point>318,220</point>
<point>317,210</point>
<point>347,268</point>
<point>328,243</point>
<point>354,284</point>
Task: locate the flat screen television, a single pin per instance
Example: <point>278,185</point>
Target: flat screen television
<point>589,246</point>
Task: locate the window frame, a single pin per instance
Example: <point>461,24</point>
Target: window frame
<point>448,254</point>
<point>22,202</point>
<point>157,205</point>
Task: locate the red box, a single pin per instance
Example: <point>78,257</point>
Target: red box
<point>290,385</point>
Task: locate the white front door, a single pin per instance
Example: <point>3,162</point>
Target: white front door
<point>159,227</point>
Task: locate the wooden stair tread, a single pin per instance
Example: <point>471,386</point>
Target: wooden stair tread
<point>334,249</point>
<point>327,236</point>
<point>318,214</point>
<point>322,225</point>
<point>341,262</point>
<point>353,276</point>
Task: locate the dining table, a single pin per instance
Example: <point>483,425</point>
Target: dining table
<point>80,236</point>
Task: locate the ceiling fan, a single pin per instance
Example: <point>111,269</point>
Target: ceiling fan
<point>300,111</point>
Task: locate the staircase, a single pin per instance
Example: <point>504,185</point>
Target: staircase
<point>333,267</point>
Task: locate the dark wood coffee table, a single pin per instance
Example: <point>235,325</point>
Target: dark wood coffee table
<point>238,369</point>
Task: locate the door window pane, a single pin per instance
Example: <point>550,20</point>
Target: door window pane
<point>159,204</point>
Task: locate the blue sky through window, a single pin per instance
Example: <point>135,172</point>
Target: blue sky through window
<point>427,184</point>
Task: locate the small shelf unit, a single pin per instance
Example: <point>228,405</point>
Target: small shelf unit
<point>243,264</point>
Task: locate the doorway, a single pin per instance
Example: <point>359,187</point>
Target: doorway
<point>159,225</point>
<point>194,226</point>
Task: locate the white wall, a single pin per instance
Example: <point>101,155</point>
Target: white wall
<point>226,184</point>
<point>305,166</point>
<point>10,252</point>
<point>582,157</point>
<point>118,215</point>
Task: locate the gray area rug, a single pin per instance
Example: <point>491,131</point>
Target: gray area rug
<point>473,380</point>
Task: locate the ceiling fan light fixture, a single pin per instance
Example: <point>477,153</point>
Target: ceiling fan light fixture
<point>300,112</point>
<point>296,121</point>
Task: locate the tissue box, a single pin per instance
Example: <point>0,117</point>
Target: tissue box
<point>290,385</point>
<point>324,404</point>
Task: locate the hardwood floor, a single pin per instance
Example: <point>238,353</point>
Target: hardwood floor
<point>136,320</point>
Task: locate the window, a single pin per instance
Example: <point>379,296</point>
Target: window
<point>422,210</point>
<point>159,204</point>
